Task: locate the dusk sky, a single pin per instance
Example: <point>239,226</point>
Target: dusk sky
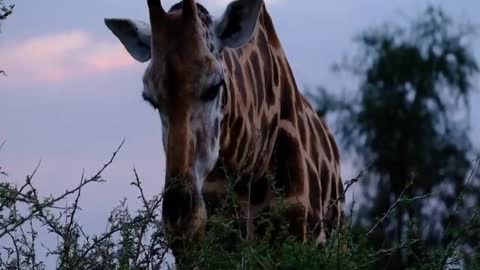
<point>73,93</point>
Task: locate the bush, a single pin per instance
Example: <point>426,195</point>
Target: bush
<point>135,239</point>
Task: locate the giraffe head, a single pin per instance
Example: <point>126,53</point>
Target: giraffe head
<point>185,82</point>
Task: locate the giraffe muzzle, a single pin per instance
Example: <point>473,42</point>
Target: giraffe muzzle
<point>184,216</point>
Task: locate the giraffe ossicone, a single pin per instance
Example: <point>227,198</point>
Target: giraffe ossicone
<point>229,102</point>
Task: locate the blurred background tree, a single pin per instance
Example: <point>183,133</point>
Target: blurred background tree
<point>409,118</point>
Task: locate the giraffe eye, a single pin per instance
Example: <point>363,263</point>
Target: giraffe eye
<point>212,92</point>
<point>150,100</point>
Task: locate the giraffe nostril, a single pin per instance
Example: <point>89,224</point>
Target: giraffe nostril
<point>177,204</point>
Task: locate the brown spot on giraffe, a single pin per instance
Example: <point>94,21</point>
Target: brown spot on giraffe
<point>276,80</point>
<point>290,176</point>
<point>228,61</point>
<point>325,179</point>
<point>225,91</point>
<point>267,56</point>
<point>302,129</point>
<point>287,111</point>
<point>256,69</point>
<point>270,30</point>
<point>241,80</point>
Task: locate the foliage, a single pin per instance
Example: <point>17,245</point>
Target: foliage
<point>130,241</point>
<point>135,239</point>
<point>409,119</point>
<point>5,11</point>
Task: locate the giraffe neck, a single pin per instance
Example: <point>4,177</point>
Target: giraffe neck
<point>256,76</point>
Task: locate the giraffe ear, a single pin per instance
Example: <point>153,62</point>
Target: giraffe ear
<point>238,23</point>
<point>134,35</point>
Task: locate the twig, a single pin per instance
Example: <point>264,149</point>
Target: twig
<point>348,185</point>
<point>97,242</point>
<point>3,143</point>
<point>144,226</point>
<point>468,180</point>
<point>351,182</point>
<point>392,207</point>
<point>17,251</point>
<point>138,184</point>
<point>394,249</point>
<point>31,247</point>
<point>385,251</point>
<point>455,244</point>
<point>49,203</point>
<point>67,232</point>
<point>5,229</point>
<point>95,178</point>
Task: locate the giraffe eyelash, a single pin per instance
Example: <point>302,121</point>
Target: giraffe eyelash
<point>212,92</point>
<point>149,100</point>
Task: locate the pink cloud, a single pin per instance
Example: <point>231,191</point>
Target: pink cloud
<point>106,58</point>
<point>61,56</point>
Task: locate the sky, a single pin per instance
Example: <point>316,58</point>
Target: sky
<point>73,93</point>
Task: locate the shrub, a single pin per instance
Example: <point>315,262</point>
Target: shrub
<point>135,239</point>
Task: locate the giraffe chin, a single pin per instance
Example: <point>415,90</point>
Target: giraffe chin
<point>181,243</point>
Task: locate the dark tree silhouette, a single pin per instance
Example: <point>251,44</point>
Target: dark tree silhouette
<point>409,119</point>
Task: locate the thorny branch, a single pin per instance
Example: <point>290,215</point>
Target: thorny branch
<point>38,205</point>
<point>71,252</point>
<point>135,242</point>
<point>3,143</point>
<point>5,11</point>
<point>399,200</point>
<point>456,242</point>
<point>140,237</point>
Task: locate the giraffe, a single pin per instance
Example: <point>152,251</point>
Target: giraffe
<point>228,101</point>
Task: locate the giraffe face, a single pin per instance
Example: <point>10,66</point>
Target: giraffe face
<point>188,96</point>
<point>185,82</point>
<point>190,110</point>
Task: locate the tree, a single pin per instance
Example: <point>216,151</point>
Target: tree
<point>409,119</point>
<point>5,11</point>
